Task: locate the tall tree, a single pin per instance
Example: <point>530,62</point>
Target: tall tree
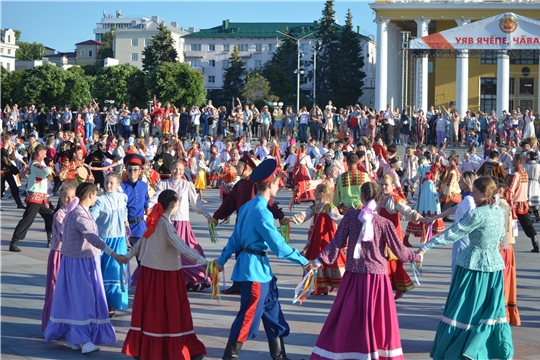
<point>233,81</point>
<point>350,73</point>
<point>255,88</point>
<point>43,86</point>
<point>327,55</point>
<point>178,84</point>
<point>29,51</point>
<point>10,80</point>
<point>106,50</point>
<point>160,50</point>
<point>279,71</point>
<point>116,83</point>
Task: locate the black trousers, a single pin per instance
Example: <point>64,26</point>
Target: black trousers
<point>32,209</point>
<point>12,186</point>
<point>528,228</point>
<point>388,132</point>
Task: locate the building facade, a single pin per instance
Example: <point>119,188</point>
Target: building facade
<point>130,42</point>
<point>8,48</point>
<point>449,77</point>
<point>117,21</point>
<point>209,50</point>
<point>87,52</point>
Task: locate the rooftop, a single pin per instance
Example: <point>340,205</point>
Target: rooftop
<point>90,42</point>
<point>258,30</point>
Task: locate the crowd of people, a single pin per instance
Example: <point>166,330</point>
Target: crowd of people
<point>126,180</point>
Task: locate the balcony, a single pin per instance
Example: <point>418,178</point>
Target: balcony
<point>244,54</point>
<point>195,54</point>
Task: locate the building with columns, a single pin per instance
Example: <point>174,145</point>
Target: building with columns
<point>479,77</point>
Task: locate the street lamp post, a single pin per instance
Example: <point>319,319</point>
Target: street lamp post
<point>298,71</point>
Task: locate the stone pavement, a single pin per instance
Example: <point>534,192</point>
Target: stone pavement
<point>24,273</point>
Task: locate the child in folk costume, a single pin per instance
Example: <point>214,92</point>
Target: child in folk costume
<point>194,273</point>
<point>67,194</point>
<point>161,323</point>
<point>110,213</point>
<point>410,170</point>
<point>81,317</point>
<point>532,167</point>
<point>427,204</point>
<point>363,319</point>
<point>392,206</point>
<point>450,190</point>
<point>516,195</point>
<point>323,228</point>
<point>301,175</point>
<point>507,252</point>
<point>474,323</point>
<point>213,177</point>
<point>202,169</point>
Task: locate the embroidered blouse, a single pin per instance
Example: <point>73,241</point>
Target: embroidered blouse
<point>485,228</point>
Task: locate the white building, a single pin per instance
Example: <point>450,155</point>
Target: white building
<point>130,42</point>
<point>118,22</point>
<point>8,48</point>
<point>209,50</point>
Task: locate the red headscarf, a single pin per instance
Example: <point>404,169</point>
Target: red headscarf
<point>152,219</point>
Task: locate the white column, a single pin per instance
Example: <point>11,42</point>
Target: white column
<point>462,76</point>
<point>537,110</point>
<point>422,29</point>
<point>503,81</point>
<point>381,67</point>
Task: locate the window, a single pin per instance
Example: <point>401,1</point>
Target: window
<point>1,50</point>
<point>271,47</point>
<point>211,79</point>
<point>488,94</point>
<point>243,47</point>
<point>258,47</point>
<point>9,38</point>
<point>134,57</point>
<point>226,48</point>
<point>90,53</point>
<point>195,63</point>
<point>9,51</point>
<point>134,42</point>
<point>524,57</point>
<point>488,57</point>
<point>258,64</point>
<point>82,53</point>
<point>211,63</point>
<point>512,86</point>
<point>303,48</point>
<point>8,66</point>
<point>195,47</point>
<point>526,86</point>
<point>226,64</point>
<point>147,42</point>
<point>212,47</point>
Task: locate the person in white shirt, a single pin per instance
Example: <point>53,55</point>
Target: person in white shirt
<point>467,164</point>
<point>262,150</point>
<point>303,116</point>
<point>195,115</point>
<point>506,159</point>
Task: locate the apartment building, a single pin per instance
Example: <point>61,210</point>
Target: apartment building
<point>8,48</point>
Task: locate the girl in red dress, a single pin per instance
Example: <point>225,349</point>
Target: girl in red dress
<point>323,228</point>
<point>391,207</point>
<point>161,322</point>
<point>302,177</point>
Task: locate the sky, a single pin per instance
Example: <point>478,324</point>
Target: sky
<point>62,24</point>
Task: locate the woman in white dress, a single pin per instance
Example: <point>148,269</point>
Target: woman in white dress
<point>528,129</point>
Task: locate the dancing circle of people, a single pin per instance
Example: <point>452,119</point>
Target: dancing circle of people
<point>358,193</point>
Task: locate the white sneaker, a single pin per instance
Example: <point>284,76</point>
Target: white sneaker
<point>89,348</point>
<point>74,346</point>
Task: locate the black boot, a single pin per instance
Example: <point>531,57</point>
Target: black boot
<point>234,289</point>
<point>49,238</point>
<point>534,242</point>
<point>277,349</point>
<point>197,357</point>
<point>232,350</point>
<point>13,245</point>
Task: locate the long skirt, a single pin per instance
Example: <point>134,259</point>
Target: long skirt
<point>363,321</point>
<point>194,273</point>
<point>79,310</point>
<point>161,322</point>
<point>399,278</point>
<point>510,286</point>
<point>53,265</point>
<point>115,276</point>
<point>474,323</point>
<point>200,182</point>
<point>303,175</point>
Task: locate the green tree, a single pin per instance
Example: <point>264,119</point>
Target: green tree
<point>42,86</point>
<point>10,81</point>
<point>178,84</point>
<point>280,82</point>
<point>328,55</point>
<point>77,90</point>
<point>255,88</point>
<point>29,51</point>
<point>116,83</point>
<point>280,70</point>
<point>351,77</point>
<point>106,50</point>
<point>233,81</point>
<point>160,50</point>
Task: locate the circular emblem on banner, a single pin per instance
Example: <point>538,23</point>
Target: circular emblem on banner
<point>508,24</point>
